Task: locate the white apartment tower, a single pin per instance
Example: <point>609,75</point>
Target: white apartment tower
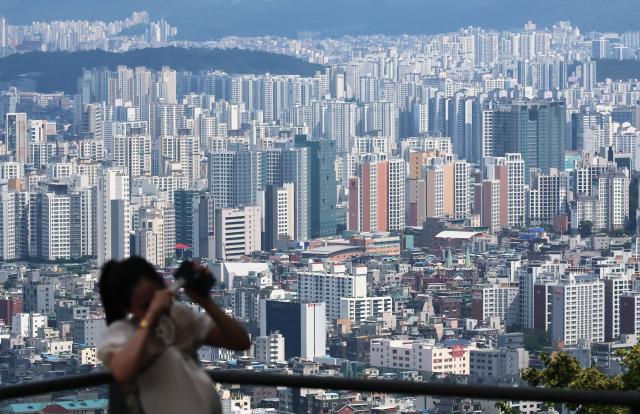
<point>114,221</point>
<point>329,286</point>
<point>55,226</point>
<point>577,310</point>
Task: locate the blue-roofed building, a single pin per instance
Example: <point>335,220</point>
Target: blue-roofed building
<point>98,406</point>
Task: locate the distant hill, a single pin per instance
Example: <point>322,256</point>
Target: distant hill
<point>207,19</point>
<point>617,69</point>
<point>59,71</point>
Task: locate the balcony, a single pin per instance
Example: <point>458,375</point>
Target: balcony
<point>629,399</point>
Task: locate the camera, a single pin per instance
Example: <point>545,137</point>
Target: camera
<point>190,277</point>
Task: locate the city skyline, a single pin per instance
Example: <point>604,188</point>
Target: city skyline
<point>444,207</point>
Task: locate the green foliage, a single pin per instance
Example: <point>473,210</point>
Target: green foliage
<point>563,371</point>
<point>585,229</point>
<point>59,71</point>
<point>505,408</point>
<point>536,340</point>
<point>631,363</point>
<point>9,284</point>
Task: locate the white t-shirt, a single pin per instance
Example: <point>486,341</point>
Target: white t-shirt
<point>171,380</point>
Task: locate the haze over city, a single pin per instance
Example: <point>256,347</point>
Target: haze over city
<point>198,194</point>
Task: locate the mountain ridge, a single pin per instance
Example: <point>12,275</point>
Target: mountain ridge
<point>208,19</point>
<point>59,71</point>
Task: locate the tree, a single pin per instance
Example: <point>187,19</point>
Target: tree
<point>505,408</point>
<point>562,370</point>
<point>585,229</point>
<point>9,284</point>
<point>535,340</point>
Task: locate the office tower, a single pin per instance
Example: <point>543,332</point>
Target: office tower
<point>113,217</point>
<point>149,236</point>
<point>270,349</point>
<point>82,222</point>
<point>295,169</point>
<point>577,310</point>
<point>279,215</point>
<point>340,124</point>
<point>17,135</point>
<point>194,217</point>
<point>303,326</point>
<point>322,206</point>
<point>237,232</point>
<point>535,129</point>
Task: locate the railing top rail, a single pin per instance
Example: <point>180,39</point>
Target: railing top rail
<point>244,377</point>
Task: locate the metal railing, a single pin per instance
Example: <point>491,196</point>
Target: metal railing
<point>629,399</point>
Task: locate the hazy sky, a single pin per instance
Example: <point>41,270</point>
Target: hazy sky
<point>203,19</point>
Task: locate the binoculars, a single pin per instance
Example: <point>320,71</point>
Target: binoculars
<point>190,277</point>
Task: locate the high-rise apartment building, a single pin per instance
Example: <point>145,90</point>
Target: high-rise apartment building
<point>17,136</point>
<point>113,216</point>
<point>279,215</point>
